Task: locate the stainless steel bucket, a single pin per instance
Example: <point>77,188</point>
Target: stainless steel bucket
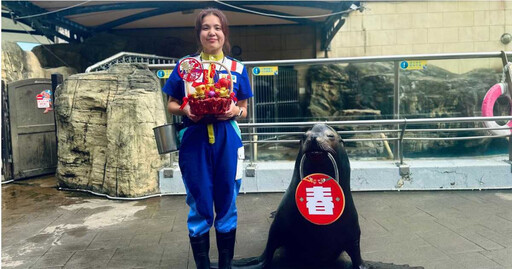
<point>166,138</point>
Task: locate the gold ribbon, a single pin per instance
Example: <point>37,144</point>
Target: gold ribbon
<point>211,135</point>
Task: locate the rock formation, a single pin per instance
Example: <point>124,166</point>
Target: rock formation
<point>18,64</point>
<point>353,91</point>
<point>105,124</point>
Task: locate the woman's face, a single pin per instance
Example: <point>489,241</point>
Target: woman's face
<point>211,36</point>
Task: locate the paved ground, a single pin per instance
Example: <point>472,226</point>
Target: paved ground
<point>46,228</point>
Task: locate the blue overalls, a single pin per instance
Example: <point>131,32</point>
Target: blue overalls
<point>209,169</point>
<point>208,172</point>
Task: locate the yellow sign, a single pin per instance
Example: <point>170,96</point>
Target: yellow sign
<point>413,65</point>
<point>265,70</point>
<point>163,73</point>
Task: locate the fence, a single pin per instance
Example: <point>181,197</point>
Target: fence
<point>398,127</point>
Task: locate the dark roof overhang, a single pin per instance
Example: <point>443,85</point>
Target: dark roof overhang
<point>84,19</point>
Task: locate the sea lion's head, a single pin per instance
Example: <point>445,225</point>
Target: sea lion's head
<point>322,151</point>
<point>320,140</point>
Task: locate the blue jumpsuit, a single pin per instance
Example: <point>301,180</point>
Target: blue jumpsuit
<point>209,170</point>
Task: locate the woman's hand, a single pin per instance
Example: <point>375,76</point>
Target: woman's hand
<point>230,113</point>
<point>191,116</point>
<point>173,106</point>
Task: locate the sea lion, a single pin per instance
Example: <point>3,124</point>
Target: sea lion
<point>322,151</point>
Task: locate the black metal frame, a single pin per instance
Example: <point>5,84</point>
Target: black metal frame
<point>7,171</point>
<point>47,24</point>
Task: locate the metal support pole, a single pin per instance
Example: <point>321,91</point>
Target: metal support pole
<point>400,142</point>
<point>274,94</point>
<point>7,162</point>
<point>510,149</point>
<point>253,138</point>
<point>508,75</point>
<point>56,81</point>
<point>250,170</point>
<point>254,148</point>
<point>403,169</point>
<point>508,79</point>
<point>396,104</point>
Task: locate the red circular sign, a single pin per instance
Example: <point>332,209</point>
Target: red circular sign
<point>320,199</point>
<point>190,69</point>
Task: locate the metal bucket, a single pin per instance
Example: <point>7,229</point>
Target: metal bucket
<point>166,138</point>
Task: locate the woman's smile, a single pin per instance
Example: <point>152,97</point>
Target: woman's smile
<point>211,36</point>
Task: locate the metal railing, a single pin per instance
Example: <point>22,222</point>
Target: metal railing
<point>130,57</point>
<point>401,124</point>
<point>401,133</point>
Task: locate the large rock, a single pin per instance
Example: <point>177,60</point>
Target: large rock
<point>18,64</point>
<point>105,134</point>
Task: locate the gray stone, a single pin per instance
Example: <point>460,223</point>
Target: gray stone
<point>105,124</point>
<point>18,64</point>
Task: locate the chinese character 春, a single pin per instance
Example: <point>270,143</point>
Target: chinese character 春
<point>319,201</point>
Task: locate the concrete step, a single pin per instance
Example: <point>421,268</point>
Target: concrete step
<point>493,172</point>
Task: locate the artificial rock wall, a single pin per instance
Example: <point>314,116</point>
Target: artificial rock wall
<point>360,91</point>
<point>105,124</point>
<point>18,64</point>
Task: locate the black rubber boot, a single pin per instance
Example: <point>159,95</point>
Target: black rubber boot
<point>200,248</point>
<point>226,247</point>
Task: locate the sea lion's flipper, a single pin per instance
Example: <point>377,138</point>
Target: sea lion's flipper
<point>260,262</point>
<point>265,259</point>
<point>354,251</point>
<point>248,263</point>
<point>273,214</point>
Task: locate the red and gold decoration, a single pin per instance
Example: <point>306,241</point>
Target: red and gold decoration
<point>210,97</point>
<point>190,69</point>
<point>320,199</point>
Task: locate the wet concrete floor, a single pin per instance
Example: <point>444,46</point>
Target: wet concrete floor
<point>43,227</point>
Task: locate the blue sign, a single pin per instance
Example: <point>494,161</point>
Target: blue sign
<point>256,71</point>
<point>163,73</point>
<point>413,65</point>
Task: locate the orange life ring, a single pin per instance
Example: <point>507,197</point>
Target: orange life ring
<point>488,104</point>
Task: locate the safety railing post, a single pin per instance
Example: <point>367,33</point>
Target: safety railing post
<point>508,78</point>
<point>510,149</point>
<point>400,142</point>
<point>250,170</point>
<point>507,71</point>
<point>403,169</point>
<point>396,105</point>
<point>252,138</point>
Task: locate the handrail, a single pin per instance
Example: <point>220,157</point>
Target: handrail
<point>373,122</point>
<point>403,123</point>
<point>129,54</point>
<point>389,131</point>
<point>440,56</point>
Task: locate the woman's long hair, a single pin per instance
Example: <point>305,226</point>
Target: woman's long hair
<point>226,48</point>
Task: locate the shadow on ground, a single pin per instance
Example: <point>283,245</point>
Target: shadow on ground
<point>282,260</point>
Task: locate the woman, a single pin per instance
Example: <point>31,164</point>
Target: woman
<point>210,147</point>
